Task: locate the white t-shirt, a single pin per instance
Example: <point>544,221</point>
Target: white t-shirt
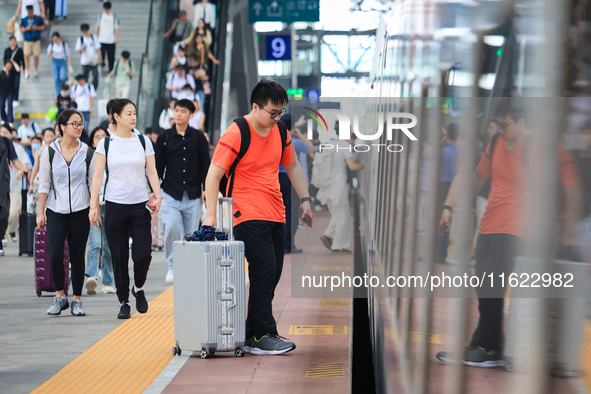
<point>194,121</point>
<point>107,24</point>
<point>25,132</point>
<point>126,162</point>
<point>34,3</point>
<point>58,50</point>
<point>91,45</point>
<point>82,95</point>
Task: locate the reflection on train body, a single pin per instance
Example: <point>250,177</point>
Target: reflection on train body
<point>454,62</point>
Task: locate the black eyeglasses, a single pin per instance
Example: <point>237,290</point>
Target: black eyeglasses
<point>502,126</point>
<point>76,125</point>
<point>274,115</point>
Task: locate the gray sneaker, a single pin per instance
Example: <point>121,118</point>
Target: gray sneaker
<point>270,344</point>
<point>248,345</point>
<point>58,305</point>
<point>77,309</point>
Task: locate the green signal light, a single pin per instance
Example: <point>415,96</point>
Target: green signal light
<point>499,51</point>
<point>295,92</point>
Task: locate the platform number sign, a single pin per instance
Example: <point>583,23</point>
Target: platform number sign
<point>278,47</point>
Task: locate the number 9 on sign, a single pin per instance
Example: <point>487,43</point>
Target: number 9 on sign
<point>278,47</point>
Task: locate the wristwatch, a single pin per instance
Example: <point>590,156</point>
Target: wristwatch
<point>302,200</point>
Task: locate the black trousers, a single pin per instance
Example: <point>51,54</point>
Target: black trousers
<point>120,221</point>
<point>75,226</point>
<point>49,9</point>
<point>263,248</point>
<point>495,253</point>
<point>108,50</point>
<point>3,228</point>
<point>291,209</point>
<point>442,238</point>
<point>86,70</point>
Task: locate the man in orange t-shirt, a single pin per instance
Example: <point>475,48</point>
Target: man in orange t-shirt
<point>502,230</point>
<point>259,214</point>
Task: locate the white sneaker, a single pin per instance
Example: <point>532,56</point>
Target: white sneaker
<point>26,75</point>
<point>91,285</point>
<point>108,289</point>
<point>15,103</point>
<point>169,277</point>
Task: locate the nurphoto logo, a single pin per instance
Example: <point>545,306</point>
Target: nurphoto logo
<point>391,123</point>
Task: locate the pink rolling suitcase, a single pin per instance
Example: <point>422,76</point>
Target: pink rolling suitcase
<point>43,280</point>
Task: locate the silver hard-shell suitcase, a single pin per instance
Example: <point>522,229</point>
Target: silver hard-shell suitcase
<point>209,295</point>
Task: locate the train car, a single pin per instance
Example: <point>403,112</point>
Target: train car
<point>457,62</point>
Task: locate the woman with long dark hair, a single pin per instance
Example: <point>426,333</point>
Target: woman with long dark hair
<point>98,247</point>
<point>127,157</point>
<point>64,198</point>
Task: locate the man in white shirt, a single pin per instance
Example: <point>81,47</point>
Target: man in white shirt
<point>27,129</point>
<point>83,95</point>
<point>38,8</point>
<point>107,31</point>
<point>90,57</point>
<point>206,11</point>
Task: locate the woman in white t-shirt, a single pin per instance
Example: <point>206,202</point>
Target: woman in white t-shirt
<point>127,158</point>
<point>61,62</point>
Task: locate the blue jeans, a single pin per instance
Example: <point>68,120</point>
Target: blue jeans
<point>179,218</point>
<point>59,70</point>
<point>86,115</point>
<point>6,112</point>
<point>95,246</point>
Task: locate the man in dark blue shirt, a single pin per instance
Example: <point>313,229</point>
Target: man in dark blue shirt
<point>32,26</point>
<point>182,161</point>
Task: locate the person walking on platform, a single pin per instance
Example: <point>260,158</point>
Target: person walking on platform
<point>15,186</point>
<point>127,158</point>
<point>107,31</point>
<point>8,152</point>
<point>301,149</point>
<point>502,228</point>
<point>259,214</point>
<point>98,247</point>
<point>65,172</point>
<point>6,92</point>
<point>17,57</point>
<point>59,51</point>
<point>182,161</point>
<point>32,26</point>
<point>90,55</point>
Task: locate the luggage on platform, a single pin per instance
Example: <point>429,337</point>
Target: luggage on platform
<point>209,295</point>
<point>43,279</point>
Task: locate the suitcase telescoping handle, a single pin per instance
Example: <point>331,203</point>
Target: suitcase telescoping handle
<point>230,201</point>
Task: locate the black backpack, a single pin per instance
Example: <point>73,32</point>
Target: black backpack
<point>227,182</point>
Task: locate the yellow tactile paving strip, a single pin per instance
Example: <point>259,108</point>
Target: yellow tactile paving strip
<point>127,360</point>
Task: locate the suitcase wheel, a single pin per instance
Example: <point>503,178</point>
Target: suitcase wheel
<point>38,294</point>
<point>205,353</point>
<point>239,352</point>
<point>176,351</point>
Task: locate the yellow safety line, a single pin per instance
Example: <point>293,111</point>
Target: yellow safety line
<point>127,360</point>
